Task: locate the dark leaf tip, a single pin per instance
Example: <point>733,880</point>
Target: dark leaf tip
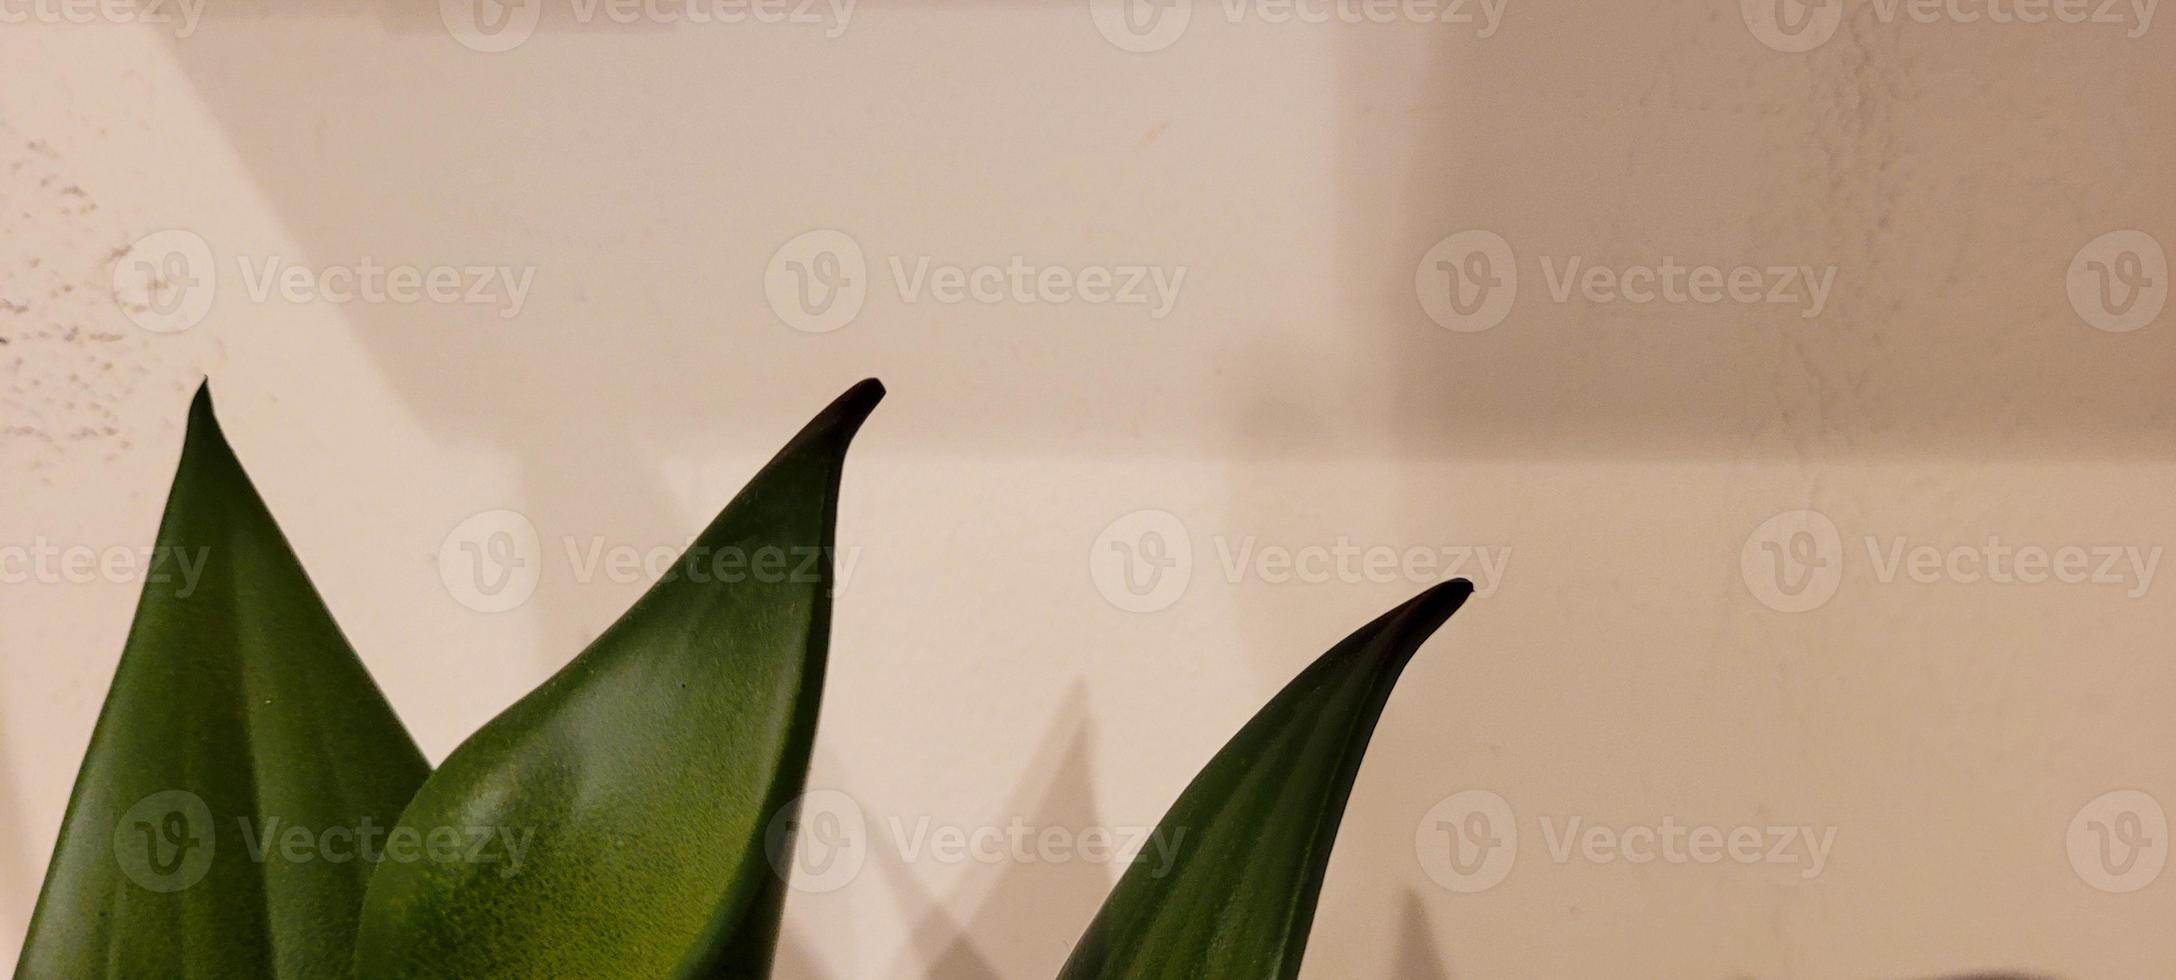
<point>841,419</point>
<point>1401,631</point>
<point>858,401</point>
<point>203,430</point>
<point>1439,602</point>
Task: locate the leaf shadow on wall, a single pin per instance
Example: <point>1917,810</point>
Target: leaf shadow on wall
<point>1025,914</point>
<point>1418,957</point>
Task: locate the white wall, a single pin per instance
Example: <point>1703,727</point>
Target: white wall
<point>1623,669</point>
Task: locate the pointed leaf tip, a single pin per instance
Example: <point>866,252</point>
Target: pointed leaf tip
<point>847,412</point>
<point>1249,840</point>
<point>205,450</point>
<point>1423,613</point>
<point>869,388</point>
<point>233,690</point>
<point>839,421</point>
<point>652,815</point>
<point>200,405</point>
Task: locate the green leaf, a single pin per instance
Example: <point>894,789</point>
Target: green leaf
<point>238,716</point>
<point>630,795</point>
<point>1251,835</point>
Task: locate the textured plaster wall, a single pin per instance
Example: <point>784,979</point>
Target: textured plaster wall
<point>1627,666</point>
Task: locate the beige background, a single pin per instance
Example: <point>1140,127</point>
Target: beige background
<point>1623,671</point>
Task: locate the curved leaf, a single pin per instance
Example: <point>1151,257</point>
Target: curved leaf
<point>238,718</point>
<point>646,772</point>
<point>1250,837</point>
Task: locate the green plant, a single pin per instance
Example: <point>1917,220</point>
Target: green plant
<point>630,803</point>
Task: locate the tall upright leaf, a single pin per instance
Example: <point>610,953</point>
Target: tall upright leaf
<point>243,752</point>
<point>1252,834</point>
<point>627,799</point>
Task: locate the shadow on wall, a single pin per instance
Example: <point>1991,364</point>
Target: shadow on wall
<point>1599,145</point>
<point>1636,137</point>
<point>451,160</point>
<point>1025,920</point>
<point>1418,957</point>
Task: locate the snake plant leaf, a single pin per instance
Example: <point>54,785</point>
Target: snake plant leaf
<point>1249,839</point>
<point>623,806</point>
<point>241,755</point>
